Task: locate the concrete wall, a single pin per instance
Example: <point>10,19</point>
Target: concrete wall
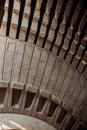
<point>49,79</point>
<point>50,75</point>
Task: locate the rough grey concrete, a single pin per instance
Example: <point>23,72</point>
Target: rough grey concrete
<point>22,122</point>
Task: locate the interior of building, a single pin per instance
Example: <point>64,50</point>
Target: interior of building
<point>43,64</point>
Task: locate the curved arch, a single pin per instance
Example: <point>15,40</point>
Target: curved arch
<point>31,101</point>
<point>51,80</point>
<point>52,76</point>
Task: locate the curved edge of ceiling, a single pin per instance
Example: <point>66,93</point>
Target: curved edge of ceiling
<point>48,76</point>
<point>29,100</point>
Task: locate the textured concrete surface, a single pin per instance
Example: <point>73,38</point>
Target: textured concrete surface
<point>52,71</point>
<point>22,122</point>
<point>24,63</point>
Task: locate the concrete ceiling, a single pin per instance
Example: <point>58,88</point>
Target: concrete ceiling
<point>43,50</point>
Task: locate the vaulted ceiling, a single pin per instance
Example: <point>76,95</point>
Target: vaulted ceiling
<point>43,44</point>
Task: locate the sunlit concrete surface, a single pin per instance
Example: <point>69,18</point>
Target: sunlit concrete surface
<point>22,122</point>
